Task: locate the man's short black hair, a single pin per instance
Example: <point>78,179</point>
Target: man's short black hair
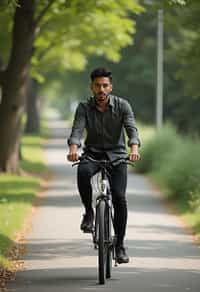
<point>100,72</point>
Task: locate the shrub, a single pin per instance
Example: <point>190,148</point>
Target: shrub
<point>175,161</point>
<point>156,150</point>
<point>182,174</point>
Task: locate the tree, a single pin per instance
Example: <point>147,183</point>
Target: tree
<point>135,74</point>
<point>37,25</point>
<point>187,49</point>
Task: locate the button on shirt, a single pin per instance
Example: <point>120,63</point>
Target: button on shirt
<point>105,130</point>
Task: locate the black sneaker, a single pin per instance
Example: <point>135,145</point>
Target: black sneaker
<point>121,256</point>
<point>87,222</point>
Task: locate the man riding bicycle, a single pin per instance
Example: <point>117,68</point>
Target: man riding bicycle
<point>104,117</point>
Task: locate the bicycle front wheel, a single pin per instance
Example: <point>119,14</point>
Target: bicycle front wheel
<point>101,241</point>
<point>109,241</point>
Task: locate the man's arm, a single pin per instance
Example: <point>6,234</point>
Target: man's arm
<point>74,140</point>
<point>132,132</point>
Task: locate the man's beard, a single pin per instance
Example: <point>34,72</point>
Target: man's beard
<point>101,97</point>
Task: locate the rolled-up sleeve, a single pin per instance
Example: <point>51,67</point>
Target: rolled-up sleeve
<point>130,125</point>
<point>78,126</point>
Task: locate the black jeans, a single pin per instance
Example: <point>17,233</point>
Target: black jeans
<point>118,183</point>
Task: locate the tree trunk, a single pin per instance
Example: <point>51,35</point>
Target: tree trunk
<point>32,108</point>
<point>14,84</point>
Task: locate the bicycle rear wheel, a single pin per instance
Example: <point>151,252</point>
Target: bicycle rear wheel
<point>101,241</point>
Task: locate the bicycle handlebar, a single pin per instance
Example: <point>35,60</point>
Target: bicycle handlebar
<point>100,162</point>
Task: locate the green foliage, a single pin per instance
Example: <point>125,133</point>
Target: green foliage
<point>134,77</point>
<point>157,149</point>
<point>182,175</point>
<point>195,199</point>
<point>175,161</point>
<point>71,31</point>
<point>68,31</point>
<point>5,33</point>
<point>187,49</point>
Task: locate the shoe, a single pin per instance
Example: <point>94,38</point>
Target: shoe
<point>87,222</point>
<point>121,256</point>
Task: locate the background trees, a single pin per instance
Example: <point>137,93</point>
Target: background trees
<point>43,42</point>
<point>135,74</point>
<point>55,34</point>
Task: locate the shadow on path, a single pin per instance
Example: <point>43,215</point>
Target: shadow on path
<point>85,279</point>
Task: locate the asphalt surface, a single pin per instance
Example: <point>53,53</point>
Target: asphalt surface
<point>61,258</point>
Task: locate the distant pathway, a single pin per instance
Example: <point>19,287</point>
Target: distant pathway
<point>61,258</point>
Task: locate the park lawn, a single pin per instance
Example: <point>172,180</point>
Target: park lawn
<point>18,194</point>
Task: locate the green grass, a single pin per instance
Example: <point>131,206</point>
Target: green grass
<point>193,220</point>
<point>18,193</point>
<point>32,156</point>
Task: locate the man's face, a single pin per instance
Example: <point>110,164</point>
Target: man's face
<point>101,88</point>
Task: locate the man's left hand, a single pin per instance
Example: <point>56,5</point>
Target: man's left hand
<point>134,155</point>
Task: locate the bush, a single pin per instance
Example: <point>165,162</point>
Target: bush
<point>182,174</point>
<point>156,150</point>
<point>175,161</point>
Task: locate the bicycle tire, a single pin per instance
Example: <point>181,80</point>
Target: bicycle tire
<point>101,241</point>
<point>109,240</point>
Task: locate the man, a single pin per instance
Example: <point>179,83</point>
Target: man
<point>104,117</point>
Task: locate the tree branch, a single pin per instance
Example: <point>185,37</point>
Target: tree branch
<point>47,49</point>
<point>43,12</point>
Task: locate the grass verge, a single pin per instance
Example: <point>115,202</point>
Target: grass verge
<point>18,194</point>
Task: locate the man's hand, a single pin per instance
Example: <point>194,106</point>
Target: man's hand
<point>73,153</point>
<point>134,155</point>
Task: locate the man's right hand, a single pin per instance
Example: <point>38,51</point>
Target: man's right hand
<point>73,153</point>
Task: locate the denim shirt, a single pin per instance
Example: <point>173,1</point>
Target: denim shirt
<point>105,130</point>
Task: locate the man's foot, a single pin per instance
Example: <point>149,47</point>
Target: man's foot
<point>121,255</point>
<point>87,222</point>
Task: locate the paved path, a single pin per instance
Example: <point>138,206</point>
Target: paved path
<point>61,258</point>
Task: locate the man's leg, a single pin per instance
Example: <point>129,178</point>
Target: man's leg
<point>118,187</point>
<point>84,175</point>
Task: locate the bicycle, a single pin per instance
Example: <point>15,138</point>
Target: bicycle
<point>103,235</point>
